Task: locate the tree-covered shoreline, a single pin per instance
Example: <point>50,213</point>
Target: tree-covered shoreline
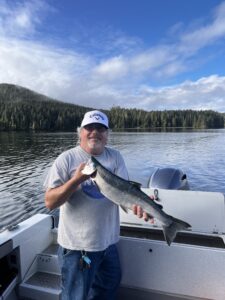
<point>23,109</point>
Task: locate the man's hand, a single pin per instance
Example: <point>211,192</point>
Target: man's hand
<point>78,175</point>
<point>57,196</point>
<point>138,211</point>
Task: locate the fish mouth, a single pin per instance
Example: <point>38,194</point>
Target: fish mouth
<point>93,175</point>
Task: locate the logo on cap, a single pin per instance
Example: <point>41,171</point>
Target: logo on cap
<point>97,116</point>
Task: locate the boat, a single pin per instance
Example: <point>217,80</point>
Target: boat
<point>193,267</point>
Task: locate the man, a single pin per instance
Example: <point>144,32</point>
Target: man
<point>89,223</point>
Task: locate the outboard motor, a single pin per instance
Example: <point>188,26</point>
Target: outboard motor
<point>168,178</point>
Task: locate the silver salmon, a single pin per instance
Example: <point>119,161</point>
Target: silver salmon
<point>126,193</point>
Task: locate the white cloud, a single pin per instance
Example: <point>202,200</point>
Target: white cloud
<point>21,18</point>
<point>170,59</point>
<point>112,68</point>
<point>117,80</point>
<point>41,68</point>
<point>205,93</point>
<point>205,35</point>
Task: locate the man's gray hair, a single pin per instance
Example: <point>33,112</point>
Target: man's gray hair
<point>78,135</point>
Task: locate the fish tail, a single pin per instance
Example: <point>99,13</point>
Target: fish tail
<point>175,226</point>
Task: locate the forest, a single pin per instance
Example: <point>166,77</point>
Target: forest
<point>23,109</point>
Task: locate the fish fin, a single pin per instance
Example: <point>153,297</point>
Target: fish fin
<point>124,209</point>
<point>159,205</point>
<point>137,184</point>
<point>170,231</point>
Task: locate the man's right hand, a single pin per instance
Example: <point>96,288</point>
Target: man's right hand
<point>57,196</point>
<point>78,175</point>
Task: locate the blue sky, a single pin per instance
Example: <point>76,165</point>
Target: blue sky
<point>148,54</point>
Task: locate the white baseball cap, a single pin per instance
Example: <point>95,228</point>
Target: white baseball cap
<point>95,116</point>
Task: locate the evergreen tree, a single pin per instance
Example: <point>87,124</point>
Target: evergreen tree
<point>22,109</point>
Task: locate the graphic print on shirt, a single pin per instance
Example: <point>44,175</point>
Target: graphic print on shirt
<point>90,189</point>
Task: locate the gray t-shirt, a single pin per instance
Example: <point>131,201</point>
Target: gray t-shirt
<point>88,221</point>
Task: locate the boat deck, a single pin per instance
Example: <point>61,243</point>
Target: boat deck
<point>193,267</point>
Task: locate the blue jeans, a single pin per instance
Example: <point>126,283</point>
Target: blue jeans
<point>99,282</point>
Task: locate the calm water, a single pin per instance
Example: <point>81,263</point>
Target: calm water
<point>26,157</point>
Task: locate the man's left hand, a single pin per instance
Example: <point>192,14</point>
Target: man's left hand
<point>138,211</point>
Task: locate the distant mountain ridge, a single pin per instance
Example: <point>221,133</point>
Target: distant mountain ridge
<point>14,93</point>
<point>24,109</point>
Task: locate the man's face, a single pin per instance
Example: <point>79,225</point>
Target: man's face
<point>93,138</point>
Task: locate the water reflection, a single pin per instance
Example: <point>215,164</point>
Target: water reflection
<point>26,157</point>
